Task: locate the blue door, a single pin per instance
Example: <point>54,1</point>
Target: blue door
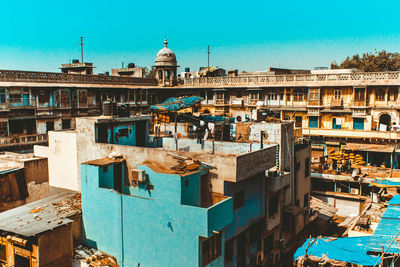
<point>334,125</point>
<point>25,100</point>
<point>313,122</point>
<point>358,123</point>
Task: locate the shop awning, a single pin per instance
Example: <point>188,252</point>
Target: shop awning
<point>369,148</point>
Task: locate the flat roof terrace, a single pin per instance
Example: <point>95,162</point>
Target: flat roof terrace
<point>64,78</point>
<point>326,79</point>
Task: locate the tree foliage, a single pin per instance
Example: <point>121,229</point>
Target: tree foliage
<point>149,74</point>
<point>376,61</point>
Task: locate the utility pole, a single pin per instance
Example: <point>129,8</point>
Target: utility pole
<point>82,48</point>
<point>208,57</point>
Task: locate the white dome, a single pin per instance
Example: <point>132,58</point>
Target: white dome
<point>165,57</point>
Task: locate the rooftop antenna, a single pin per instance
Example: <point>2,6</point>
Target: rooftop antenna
<point>82,48</point>
<point>208,56</point>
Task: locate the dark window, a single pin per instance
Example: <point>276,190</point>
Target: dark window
<point>255,233</point>
<point>3,128</point>
<point>297,203</point>
<point>299,120</point>
<point>380,95</point>
<point>21,261</point>
<point>49,126</point>
<point>186,183</point>
<point>273,205</point>
<point>123,132</point>
<point>211,249</point>
<point>238,200</point>
<point>66,123</point>
<point>229,250</point>
<point>306,199</point>
<point>3,257</point>
<point>307,167</point>
<point>2,96</point>
<point>297,166</point>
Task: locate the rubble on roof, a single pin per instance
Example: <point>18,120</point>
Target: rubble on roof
<point>324,209</point>
<point>93,257</point>
<point>40,216</point>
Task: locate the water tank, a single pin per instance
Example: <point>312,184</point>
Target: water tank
<point>75,61</point>
<point>187,69</point>
<point>131,65</point>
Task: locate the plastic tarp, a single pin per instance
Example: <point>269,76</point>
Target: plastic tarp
<point>384,237</point>
<point>177,103</point>
<point>218,118</point>
<point>384,183</point>
<point>345,249</point>
<point>395,200</point>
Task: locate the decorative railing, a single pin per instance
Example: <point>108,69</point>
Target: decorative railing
<point>359,103</point>
<point>23,140</point>
<point>313,102</point>
<point>22,102</point>
<point>317,79</point>
<point>48,77</point>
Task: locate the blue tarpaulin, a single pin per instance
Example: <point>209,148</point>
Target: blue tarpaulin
<point>346,249</point>
<point>218,118</point>
<point>387,229</point>
<point>177,103</point>
<point>395,200</point>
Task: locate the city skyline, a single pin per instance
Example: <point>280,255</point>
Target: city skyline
<point>249,37</point>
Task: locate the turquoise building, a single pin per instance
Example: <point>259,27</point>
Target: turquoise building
<point>152,216</point>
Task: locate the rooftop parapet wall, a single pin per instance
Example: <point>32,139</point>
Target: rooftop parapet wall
<point>332,79</point>
<point>52,77</point>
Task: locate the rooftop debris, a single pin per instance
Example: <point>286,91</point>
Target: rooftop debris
<point>94,258</point>
<point>322,207</point>
<point>46,214</point>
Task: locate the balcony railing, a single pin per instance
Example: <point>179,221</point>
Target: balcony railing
<point>313,103</point>
<point>300,79</point>
<point>23,140</point>
<point>336,102</point>
<point>278,182</point>
<point>343,133</point>
<point>22,102</point>
<point>221,102</point>
<point>359,103</point>
<point>49,77</point>
<point>215,217</point>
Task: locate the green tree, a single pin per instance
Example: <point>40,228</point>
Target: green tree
<point>376,61</point>
<point>149,74</point>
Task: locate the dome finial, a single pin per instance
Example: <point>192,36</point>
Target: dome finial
<point>166,42</point>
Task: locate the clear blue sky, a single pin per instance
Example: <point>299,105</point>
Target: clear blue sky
<point>247,35</point>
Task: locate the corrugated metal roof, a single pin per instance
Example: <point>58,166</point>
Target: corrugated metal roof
<point>35,217</point>
<point>369,147</point>
<point>383,236</point>
<point>392,212</point>
<point>386,231</point>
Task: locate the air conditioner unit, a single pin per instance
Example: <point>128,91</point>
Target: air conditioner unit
<point>138,176</point>
<point>354,191</point>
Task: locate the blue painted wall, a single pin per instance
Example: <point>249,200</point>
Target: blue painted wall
<point>124,133</point>
<point>250,213</point>
<point>154,228</point>
<point>254,204</point>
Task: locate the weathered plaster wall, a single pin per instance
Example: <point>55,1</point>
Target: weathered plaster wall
<point>62,154</point>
